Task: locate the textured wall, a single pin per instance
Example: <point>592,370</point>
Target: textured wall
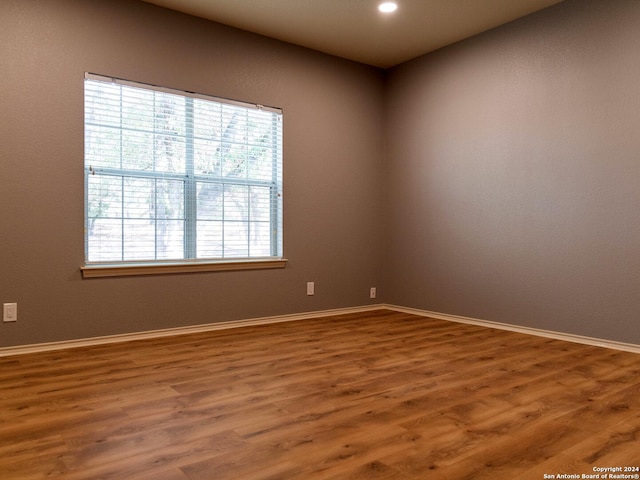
<point>513,167</point>
<point>332,167</point>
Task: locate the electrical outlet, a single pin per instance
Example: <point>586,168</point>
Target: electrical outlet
<point>372,292</point>
<point>10,312</point>
<point>311,288</point>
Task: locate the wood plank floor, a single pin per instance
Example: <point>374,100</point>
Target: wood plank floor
<point>381,395</point>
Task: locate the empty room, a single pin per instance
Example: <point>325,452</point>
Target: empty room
<point>310,239</point>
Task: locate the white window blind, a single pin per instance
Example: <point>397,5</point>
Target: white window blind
<point>172,175</point>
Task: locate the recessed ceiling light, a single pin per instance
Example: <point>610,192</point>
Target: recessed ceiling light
<point>388,7</point>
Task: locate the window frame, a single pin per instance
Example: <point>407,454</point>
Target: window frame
<point>191,179</point>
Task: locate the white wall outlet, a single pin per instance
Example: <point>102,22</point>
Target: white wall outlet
<point>372,292</point>
<point>311,288</point>
<point>10,312</point>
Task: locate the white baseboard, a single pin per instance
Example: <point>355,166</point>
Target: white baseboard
<point>126,337</point>
<point>568,337</point>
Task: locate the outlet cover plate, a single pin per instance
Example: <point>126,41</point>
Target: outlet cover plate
<point>10,312</point>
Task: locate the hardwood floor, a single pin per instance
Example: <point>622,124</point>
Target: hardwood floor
<point>381,395</point>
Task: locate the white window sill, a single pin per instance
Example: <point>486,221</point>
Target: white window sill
<point>165,268</point>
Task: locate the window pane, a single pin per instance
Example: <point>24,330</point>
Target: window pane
<point>172,175</point>
<point>236,203</point>
<point>260,239</point>
<point>138,240</point>
<point>137,150</point>
<point>210,201</point>
<point>169,199</point>
<point>105,197</point>
<point>261,145</point>
<point>102,104</point>
<point>104,240</point>
<point>204,112</point>
<point>137,109</point>
<point>102,146</point>
<point>236,235</point>
<point>260,204</point>
<point>169,154</point>
<point>170,239</point>
<point>210,239</point>
<point>207,157</point>
<point>138,198</point>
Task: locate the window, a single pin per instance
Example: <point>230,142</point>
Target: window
<point>173,176</point>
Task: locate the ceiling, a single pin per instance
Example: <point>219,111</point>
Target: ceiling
<point>354,29</point>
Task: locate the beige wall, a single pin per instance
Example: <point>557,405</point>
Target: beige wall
<point>333,155</point>
<point>513,166</point>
